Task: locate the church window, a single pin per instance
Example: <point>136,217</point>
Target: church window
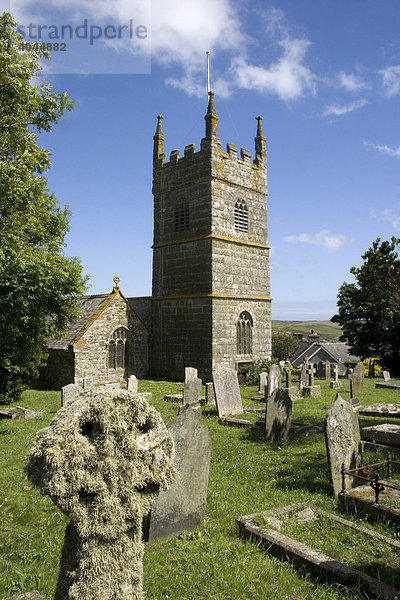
<point>244,333</point>
<point>182,217</point>
<point>118,349</point>
<point>241,216</point>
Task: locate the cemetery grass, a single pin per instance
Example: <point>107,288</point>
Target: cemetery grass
<point>246,476</point>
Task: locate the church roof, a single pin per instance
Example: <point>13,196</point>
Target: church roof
<point>87,307</point>
<point>339,351</point>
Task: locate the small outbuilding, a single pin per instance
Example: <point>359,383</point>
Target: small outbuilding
<point>320,351</point>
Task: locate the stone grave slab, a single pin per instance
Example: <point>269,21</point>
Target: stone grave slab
<point>173,398</point>
<point>19,412</point>
<point>387,385</point>
<point>386,433</point>
<point>227,392</point>
<point>381,410</point>
<point>69,392</point>
<point>182,506</point>
<point>278,416</point>
<point>343,442</point>
<point>311,391</point>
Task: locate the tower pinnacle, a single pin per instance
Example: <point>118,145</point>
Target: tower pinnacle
<point>261,151</point>
<point>211,117</point>
<point>158,140</point>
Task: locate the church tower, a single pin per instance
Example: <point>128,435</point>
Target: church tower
<point>211,300</point>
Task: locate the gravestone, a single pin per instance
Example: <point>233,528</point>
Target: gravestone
<point>303,374</point>
<point>227,392</point>
<point>132,384</point>
<point>278,416</point>
<point>87,382</point>
<point>190,373</point>
<point>113,386</point>
<point>182,506</point>
<point>262,382</point>
<point>320,369</point>
<point>69,392</point>
<point>386,433</point>
<point>274,380</point>
<point>292,389</point>
<point>327,370</point>
<point>310,390</point>
<point>335,384</point>
<point>343,443</point>
<point>357,380</point>
<point>192,391</point>
<point>102,461</point>
<point>210,395</point>
<point>386,376</point>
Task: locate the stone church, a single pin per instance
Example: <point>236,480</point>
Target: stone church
<point>210,300</point>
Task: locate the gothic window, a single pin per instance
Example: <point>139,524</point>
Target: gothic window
<point>118,349</point>
<point>244,333</point>
<point>182,217</point>
<point>241,216</point>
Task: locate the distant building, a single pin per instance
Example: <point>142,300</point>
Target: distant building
<point>319,351</point>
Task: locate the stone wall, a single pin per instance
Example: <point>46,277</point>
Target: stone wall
<point>91,349</point>
<point>59,370</point>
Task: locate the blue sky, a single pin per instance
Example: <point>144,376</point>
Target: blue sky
<point>324,75</point>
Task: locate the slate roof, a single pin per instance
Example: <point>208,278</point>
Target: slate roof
<point>87,306</point>
<point>338,350</point>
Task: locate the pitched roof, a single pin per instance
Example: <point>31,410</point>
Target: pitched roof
<point>338,350</point>
<point>87,307</point>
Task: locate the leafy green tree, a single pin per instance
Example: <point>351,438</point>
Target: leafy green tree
<point>369,309</point>
<point>283,345</point>
<point>37,281</point>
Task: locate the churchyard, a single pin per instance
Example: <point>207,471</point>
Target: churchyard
<point>247,476</point>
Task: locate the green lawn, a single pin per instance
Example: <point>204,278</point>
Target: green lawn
<point>246,476</point>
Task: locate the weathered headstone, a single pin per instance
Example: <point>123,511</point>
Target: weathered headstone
<point>113,386</point>
<point>102,461</point>
<point>274,380</point>
<point>192,391</point>
<point>69,392</point>
<point>227,392</point>
<point>386,376</point>
<point>132,384</point>
<point>335,384</point>
<point>343,444</point>
<point>287,369</point>
<point>87,382</point>
<point>262,382</point>
<point>357,380</point>
<point>303,374</point>
<point>327,370</point>
<point>182,506</point>
<point>190,373</point>
<point>311,390</point>
<point>210,395</point>
<point>278,416</point>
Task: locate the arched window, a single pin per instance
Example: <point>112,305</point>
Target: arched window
<point>182,217</point>
<point>118,349</point>
<point>244,333</point>
<point>241,216</point>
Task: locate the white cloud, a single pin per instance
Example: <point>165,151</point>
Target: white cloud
<point>387,215</point>
<point>343,110</point>
<point>391,80</point>
<point>288,77</point>
<point>383,148</point>
<point>324,239</point>
<point>350,82</point>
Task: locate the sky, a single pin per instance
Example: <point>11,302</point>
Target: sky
<point>324,75</point>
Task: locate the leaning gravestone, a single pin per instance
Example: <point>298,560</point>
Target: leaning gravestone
<point>192,391</point>
<point>262,382</point>
<point>132,384</point>
<point>386,376</point>
<point>343,443</point>
<point>190,373</point>
<point>227,392</point>
<point>278,416</point>
<point>357,380</point>
<point>274,380</point>
<point>102,461</point>
<point>182,506</point>
<point>69,392</point>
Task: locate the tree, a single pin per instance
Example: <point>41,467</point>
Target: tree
<point>369,310</point>
<point>37,281</point>
<point>283,345</point>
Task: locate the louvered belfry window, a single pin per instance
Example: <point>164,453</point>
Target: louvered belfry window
<point>241,216</point>
<point>182,217</point>
<point>244,333</point>
<point>118,349</point>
